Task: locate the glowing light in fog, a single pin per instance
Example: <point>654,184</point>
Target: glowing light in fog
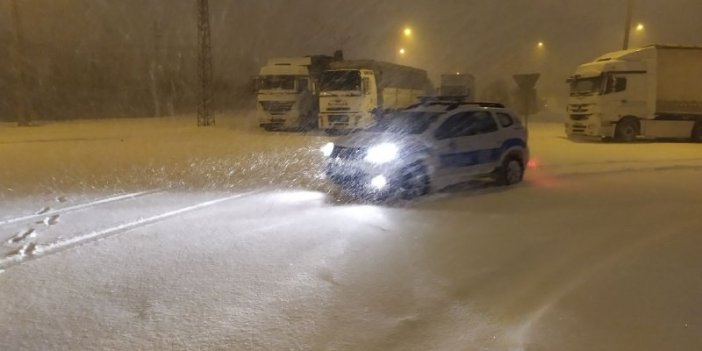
<point>327,149</point>
<point>382,153</point>
<point>402,51</point>
<point>407,32</point>
<point>379,182</point>
<point>540,44</point>
<point>640,27</point>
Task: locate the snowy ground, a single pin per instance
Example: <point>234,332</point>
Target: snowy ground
<point>153,234</point>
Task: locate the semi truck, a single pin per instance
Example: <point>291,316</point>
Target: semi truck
<point>288,91</point>
<point>650,92</point>
<point>458,84</point>
<point>355,94</point>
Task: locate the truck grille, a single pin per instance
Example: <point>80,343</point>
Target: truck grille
<point>578,129</point>
<point>348,153</point>
<point>338,119</point>
<point>277,106</point>
<point>579,117</point>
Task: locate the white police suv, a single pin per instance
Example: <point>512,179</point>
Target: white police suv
<point>428,147</point>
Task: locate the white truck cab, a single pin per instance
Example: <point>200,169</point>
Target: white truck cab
<point>651,92</point>
<point>355,94</point>
<point>288,94</point>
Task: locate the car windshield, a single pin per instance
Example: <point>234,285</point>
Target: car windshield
<point>341,81</point>
<point>342,175</point>
<point>586,86</point>
<point>409,122</point>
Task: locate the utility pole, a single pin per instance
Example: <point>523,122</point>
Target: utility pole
<point>156,70</point>
<point>627,23</point>
<point>205,105</point>
<point>22,108</point>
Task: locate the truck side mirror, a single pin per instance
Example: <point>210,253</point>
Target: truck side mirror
<point>365,86</point>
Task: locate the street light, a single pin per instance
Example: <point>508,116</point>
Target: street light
<point>540,44</point>
<point>407,32</point>
<point>640,27</point>
<point>402,51</point>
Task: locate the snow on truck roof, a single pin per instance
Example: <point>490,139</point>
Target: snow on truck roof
<point>638,52</point>
<point>289,61</point>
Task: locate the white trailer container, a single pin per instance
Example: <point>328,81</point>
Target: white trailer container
<point>354,94</point>
<point>459,85</point>
<point>651,92</point>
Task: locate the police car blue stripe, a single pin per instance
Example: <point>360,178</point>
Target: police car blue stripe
<point>476,157</point>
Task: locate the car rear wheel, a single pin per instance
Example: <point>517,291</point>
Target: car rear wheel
<point>511,172</point>
<point>414,182</point>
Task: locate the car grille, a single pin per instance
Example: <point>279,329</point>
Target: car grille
<point>277,106</point>
<point>348,153</point>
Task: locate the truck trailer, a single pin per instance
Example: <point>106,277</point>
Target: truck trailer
<point>355,94</point>
<point>288,91</point>
<point>650,92</point>
<point>459,85</point>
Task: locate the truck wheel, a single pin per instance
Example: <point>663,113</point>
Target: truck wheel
<point>414,182</point>
<point>627,129</point>
<point>697,132</point>
<point>511,172</point>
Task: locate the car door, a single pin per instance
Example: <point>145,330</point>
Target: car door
<point>466,143</point>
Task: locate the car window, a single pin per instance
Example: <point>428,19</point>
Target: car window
<point>481,122</point>
<point>452,127</point>
<point>467,124</point>
<point>505,119</point>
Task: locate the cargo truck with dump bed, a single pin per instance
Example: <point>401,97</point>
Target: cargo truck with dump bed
<point>288,91</point>
<point>650,92</point>
<point>354,94</point>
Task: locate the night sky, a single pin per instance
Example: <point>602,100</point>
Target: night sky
<point>490,39</point>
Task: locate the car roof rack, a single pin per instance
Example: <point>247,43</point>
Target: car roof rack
<point>453,102</point>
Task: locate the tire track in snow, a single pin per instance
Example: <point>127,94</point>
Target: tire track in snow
<point>46,212</point>
<point>38,251</point>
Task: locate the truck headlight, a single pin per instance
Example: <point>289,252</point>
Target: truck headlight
<point>327,149</point>
<point>382,153</point>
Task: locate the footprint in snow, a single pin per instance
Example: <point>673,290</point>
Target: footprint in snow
<point>21,236</point>
<point>50,220</point>
<point>28,249</point>
<point>61,199</point>
<point>44,210</point>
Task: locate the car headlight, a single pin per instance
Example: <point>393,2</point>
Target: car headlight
<point>379,182</point>
<point>382,153</point>
<point>327,149</point>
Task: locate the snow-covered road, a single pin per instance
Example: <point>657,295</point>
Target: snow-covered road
<point>598,249</point>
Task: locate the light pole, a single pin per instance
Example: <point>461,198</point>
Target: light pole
<point>22,107</point>
<point>627,23</point>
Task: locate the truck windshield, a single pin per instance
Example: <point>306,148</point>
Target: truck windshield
<point>341,80</point>
<point>407,122</point>
<point>277,82</point>
<point>586,86</point>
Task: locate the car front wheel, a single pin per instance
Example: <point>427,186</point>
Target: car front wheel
<point>511,172</point>
<point>414,182</point>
